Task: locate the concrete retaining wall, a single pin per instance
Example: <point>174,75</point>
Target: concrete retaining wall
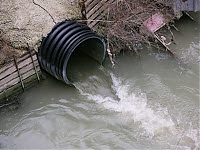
<point>27,21</point>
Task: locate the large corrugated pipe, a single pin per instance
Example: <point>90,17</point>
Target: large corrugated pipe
<point>65,38</point>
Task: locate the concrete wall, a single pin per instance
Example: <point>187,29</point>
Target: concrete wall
<point>27,21</point>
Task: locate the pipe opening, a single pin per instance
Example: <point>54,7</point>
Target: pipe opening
<point>69,43</point>
<point>93,47</point>
<point>87,56</point>
<point>79,66</point>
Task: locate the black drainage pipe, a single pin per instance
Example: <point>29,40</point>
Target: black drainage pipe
<point>62,41</point>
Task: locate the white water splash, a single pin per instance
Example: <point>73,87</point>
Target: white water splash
<point>192,53</point>
<point>135,106</point>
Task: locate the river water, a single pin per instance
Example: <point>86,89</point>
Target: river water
<point>149,101</point>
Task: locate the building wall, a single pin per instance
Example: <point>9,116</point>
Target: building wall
<point>184,5</point>
<point>187,5</point>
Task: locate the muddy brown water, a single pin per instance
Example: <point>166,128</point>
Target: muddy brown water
<point>146,102</point>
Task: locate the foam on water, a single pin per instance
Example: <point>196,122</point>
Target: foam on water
<point>192,53</point>
<point>128,103</point>
<point>121,98</point>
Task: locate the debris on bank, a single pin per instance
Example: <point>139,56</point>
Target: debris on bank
<point>126,24</point>
<point>10,105</point>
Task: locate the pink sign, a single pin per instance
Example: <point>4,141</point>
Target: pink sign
<point>155,22</point>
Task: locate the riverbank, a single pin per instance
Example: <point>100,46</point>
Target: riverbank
<point>29,21</point>
<point>23,24</point>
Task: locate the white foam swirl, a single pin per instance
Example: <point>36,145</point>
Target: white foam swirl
<point>136,106</point>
